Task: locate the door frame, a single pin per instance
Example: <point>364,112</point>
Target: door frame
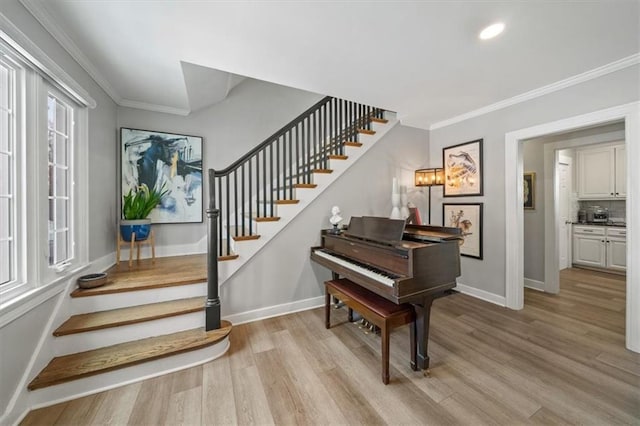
<point>514,211</point>
<point>563,160</point>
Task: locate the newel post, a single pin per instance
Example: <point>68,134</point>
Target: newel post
<point>212,307</point>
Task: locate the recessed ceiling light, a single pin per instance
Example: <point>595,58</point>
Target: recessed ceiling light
<point>491,31</point>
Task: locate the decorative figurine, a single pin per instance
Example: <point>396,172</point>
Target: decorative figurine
<point>335,219</point>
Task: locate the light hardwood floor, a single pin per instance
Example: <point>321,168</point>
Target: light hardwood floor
<point>561,360</point>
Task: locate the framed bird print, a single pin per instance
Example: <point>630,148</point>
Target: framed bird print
<point>467,217</point>
<point>463,169</point>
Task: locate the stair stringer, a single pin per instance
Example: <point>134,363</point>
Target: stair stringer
<point>267,230</point>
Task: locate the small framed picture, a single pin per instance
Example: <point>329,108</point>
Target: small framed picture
<point>529,190</point>
<point>463,169</point>
<point>467,217</point>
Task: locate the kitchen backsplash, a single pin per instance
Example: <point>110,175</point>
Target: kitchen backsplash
<point>617,208</point>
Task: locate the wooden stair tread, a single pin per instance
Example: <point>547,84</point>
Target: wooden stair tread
<point>367,131</point>
<point>338,157</point>
<point>266,218</point>
<point>283,202</point>
<point>84,364</point>
<point>145,275</point>
<point>131,315</point>
<point>305,185</point>
<point>379,120</point>
<point>228,257</point>
<point>323,171</point>
<point>246,237</point>
<point>353,144</point>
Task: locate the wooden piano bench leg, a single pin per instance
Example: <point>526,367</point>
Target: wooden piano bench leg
<point>385,354</point>
<point>327,308</point>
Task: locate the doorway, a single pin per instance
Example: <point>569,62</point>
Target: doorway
<point>514,255</point>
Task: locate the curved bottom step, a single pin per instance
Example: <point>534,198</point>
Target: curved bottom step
<point>124,376</point>
<point>79,365</point>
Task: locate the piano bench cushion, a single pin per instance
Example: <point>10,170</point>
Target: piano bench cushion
<point>377,304</point>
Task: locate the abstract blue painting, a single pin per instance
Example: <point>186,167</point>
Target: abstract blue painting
<point>169,161</point>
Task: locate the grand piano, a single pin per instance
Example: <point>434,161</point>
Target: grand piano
<point>403,263</point>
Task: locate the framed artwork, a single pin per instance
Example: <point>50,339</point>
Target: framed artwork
<point>529,190</point>
<point>467,217</point>
<point>463,169</point>
<point>169,161</point>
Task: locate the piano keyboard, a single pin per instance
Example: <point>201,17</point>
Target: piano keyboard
<point>361,268</point>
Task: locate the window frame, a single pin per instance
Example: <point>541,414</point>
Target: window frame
<point>33,274</point>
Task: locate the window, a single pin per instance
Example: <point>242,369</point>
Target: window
<point>7,173</point>
<point>43,154</point>
<point>60,180</point>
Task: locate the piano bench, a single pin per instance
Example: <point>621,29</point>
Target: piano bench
<point>377,310</point>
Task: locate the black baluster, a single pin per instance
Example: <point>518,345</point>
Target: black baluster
<point>250,220</point>
<point>235,201</point>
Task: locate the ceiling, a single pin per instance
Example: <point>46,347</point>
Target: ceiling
<point>421,59</point>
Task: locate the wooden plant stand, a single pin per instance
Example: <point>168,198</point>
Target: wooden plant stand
<point>150,240</point>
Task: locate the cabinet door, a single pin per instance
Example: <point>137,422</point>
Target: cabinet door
<point>589,250</point>
<point>621,171</point>
<point>595,173</point>
<point>617,254</point>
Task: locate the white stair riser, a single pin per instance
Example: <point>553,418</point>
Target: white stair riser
<point>93,384</point>
<point>89,340</point>
<point>81,305</point>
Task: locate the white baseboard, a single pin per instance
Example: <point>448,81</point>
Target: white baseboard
<point>274,311</point>
<point>481,294</point>
<point>534,284</point>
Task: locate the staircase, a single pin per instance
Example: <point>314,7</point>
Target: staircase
<point>151,319</point>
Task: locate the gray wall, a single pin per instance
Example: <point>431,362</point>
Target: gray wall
<point>20,337</point>
<point>253,111</point>
<point>612,89</point>
<point>533,161</point>
<point>283,273</point>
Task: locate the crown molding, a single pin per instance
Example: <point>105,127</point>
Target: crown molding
<point>22,44</point>
<point>39,11</point>
<point>154,107</point>
<point>544,90</point>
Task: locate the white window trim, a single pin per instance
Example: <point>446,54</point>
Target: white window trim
<point>41,62</point>
<point>37,281</point>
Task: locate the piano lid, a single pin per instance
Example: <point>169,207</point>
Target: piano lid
<point>378,229</point>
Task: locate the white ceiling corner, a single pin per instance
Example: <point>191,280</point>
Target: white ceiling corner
<point>38,9</point>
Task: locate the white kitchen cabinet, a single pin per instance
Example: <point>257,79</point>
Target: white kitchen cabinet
<point>621,171</point>
<point>589,247</point>
<point>600,247</point>
<point>602,172</point>
<point>616,249</point>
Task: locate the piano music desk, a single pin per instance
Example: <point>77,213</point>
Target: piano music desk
<point>377,310</point>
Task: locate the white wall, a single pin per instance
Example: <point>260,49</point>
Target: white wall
<point>283,273</point>
<point>609,90</point>
<point>253,111</point>
<point>19,337</point>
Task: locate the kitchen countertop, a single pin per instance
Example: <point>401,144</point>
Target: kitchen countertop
<point>614,224</point>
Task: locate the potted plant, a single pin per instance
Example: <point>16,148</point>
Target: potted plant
<point>136,206</point>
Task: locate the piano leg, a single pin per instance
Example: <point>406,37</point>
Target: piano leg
<point>423,312</point>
